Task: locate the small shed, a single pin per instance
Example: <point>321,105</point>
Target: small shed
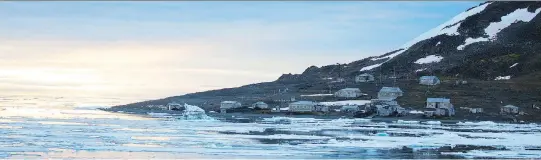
<point>365,77</point>
<point>348,93</point>
<point>261,105</point>
<point>429,80</point>
<point>442,106</point>
<point>389,93</point>
<point>174,106</point>
<point>509,109</point>
<point>476,110</point>
<point>302,106</point>
<point>383,110</point>
<point>224,105</point>
<point>390,110</point>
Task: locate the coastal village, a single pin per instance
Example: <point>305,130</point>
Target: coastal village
<point>354,103</point>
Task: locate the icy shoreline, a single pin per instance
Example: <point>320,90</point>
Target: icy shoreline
<point>53,132</point>
<point>256,115</point>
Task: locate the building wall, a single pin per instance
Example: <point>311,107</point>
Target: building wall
<point>364,78</point>
<point>301,108</point>
<point>509,110</point>
<point>439,105</point>
<point>347,93</point>
<point>388,95</point>
<point>383,111</point>
<point>230,105</point>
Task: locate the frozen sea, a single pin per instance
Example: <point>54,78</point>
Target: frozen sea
<point>71,132</point>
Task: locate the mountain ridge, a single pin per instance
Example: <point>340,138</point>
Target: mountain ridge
<point>460,48</point>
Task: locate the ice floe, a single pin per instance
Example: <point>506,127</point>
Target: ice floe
<point>298,138</point>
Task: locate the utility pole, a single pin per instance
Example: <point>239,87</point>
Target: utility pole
<point>339,71</point>
<point>394,76</point>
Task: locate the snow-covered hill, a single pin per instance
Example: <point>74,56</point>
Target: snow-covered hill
<point>491,42</point>
<point>484,38</point>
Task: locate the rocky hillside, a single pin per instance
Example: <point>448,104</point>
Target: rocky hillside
<point>494,40</point>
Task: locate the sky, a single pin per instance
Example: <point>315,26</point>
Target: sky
<point>146,50</point>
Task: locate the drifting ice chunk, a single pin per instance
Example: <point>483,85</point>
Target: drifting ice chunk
<point>477,123</point>
<point>382,134</point>
<point>433,122</point>
<point>152,114</point>
<point>407,122</point>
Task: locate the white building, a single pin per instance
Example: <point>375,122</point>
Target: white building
<point>302,106</point>
<point>509,109</point>
<point>229,105</point>
<point>260,104</point>
<point>365,77</point>
<point>429,80</point>
<point>174,106</point>
<point>348,93</point>
<point>440,106</point>
<point>389,93</point>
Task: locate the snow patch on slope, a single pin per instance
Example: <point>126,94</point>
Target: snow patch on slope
<point>518,15</point>
<point>419,70</point>
<point>495,27</point>
<point>502,78</point>
<point>389,56</point>
<point>371,67</point>
<point>429,59</point>
<point>450,27</point>
<point>513,65</point>
<point>469,41</point>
